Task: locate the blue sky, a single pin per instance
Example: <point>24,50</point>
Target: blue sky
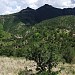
<point>12,6</point>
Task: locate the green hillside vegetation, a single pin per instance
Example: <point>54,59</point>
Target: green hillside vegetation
<point>47,42</point>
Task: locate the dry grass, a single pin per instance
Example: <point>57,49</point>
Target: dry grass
<point>11,66</point>
<point>65,69</point>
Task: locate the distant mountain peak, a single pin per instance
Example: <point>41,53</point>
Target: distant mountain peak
<point>44,12</point>
<point>46,5</point>
<point>28,8</point>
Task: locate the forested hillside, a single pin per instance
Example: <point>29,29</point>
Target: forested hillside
<point>47,43</point>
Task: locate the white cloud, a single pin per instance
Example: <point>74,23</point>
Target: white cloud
<point>73,1</point>
<point>11,6</point>
<point>57,3</point>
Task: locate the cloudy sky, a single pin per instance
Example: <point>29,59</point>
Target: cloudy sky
<point>12,6</point>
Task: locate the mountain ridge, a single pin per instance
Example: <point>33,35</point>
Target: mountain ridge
<point>45,12</point>
<point>30,16</point>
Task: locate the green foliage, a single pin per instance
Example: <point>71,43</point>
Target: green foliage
<point>46,73</point>
<point>26,72</point>
<point>42,73</point>
<point>47,42</point>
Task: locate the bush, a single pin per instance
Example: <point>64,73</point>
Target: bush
<point>6,51</point>
<point>26,72</point>
<point>46,73</point>
<point>68,55</point>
